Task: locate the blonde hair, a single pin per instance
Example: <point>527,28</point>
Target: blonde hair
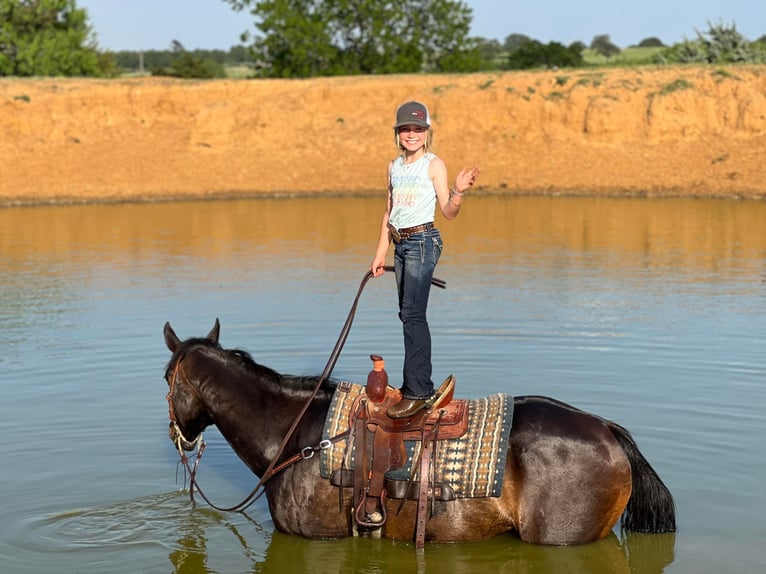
<point>429,143</point>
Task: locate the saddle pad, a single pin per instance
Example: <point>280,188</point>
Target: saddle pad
<point>472,465</point>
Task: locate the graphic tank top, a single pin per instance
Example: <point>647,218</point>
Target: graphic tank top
<point>413,197</point>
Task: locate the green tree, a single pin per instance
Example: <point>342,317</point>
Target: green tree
<point>49,38</point>
<point>303,38</point>
<point>534,54</point>
<point>651,42</point>
<point>490,53</point>
<point>514,41</point>
<point>601,44</point>
<point>183,64</point>
<point>240,55</point>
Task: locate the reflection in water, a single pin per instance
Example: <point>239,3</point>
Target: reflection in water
<point>191,557</point>
<point>715,235</point>
<point>192,554</point>
<point>648,554</point>
<point>200,540</point>
<point>59,252</point>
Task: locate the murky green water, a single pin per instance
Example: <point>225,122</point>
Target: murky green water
<point>648,312</point>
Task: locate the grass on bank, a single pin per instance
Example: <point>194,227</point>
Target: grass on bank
<point>634,56</point>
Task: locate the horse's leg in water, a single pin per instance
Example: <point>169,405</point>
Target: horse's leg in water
<point>567,477</point>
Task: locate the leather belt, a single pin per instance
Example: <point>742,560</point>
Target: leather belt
<point>400,235</point>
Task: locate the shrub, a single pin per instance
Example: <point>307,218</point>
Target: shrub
<point>720,44</point>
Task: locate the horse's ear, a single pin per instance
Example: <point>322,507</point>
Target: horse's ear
<point>215,331</point>
<point>171,339</point>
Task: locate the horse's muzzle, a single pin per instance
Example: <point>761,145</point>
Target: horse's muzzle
<point>178,439</point>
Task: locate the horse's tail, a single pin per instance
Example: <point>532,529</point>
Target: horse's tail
<point>651,507</point>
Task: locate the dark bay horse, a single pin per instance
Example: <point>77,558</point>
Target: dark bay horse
<point>569,475</point>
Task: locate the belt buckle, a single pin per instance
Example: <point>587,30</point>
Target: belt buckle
<point>395,234</point>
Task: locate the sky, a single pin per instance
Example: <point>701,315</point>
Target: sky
<point>213,24</point>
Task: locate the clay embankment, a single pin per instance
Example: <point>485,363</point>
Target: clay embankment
<point>673,131</point>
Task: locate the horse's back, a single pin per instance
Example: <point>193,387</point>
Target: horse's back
<point>567,475</point>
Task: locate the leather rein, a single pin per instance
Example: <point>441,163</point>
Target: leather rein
<point>273,469</point>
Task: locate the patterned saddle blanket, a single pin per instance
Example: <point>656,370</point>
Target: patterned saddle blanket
<point>472,465</point>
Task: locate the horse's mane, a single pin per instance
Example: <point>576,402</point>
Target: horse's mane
<point>241,359</point>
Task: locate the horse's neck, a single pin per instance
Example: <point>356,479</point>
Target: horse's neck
<point>255,418</point>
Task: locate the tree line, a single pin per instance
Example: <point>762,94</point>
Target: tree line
<point>306,38</point>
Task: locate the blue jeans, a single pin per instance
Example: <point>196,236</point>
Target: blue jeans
<point>415,259</point>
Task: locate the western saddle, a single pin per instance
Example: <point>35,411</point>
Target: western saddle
<point>378,443</point>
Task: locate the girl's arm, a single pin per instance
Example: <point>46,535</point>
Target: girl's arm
<point>450,200</point>
<point>384,238</point>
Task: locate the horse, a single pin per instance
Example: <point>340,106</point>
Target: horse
<point>569,475</point>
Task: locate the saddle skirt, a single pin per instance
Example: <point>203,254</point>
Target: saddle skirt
<point>471,463</point>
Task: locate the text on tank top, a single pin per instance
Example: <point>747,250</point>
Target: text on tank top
<point>413,197</point>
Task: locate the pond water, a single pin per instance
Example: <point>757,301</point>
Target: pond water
<point>650,312</point>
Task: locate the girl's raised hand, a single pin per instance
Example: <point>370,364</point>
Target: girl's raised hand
<point>466,178</point>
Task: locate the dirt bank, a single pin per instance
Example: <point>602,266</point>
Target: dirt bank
<point>672,131</point>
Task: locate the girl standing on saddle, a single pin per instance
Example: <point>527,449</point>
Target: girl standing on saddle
<point>417,180</point>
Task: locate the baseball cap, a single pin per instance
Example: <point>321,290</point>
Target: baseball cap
<point>412,114</point>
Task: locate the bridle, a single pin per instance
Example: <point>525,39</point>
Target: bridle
<point>181,442</point>
<point>171,411</point>
<point>273,469</point>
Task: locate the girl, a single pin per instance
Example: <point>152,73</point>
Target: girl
<point>417,179</point>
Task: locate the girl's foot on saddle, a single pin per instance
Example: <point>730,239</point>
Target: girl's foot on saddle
<point>407,407</point>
